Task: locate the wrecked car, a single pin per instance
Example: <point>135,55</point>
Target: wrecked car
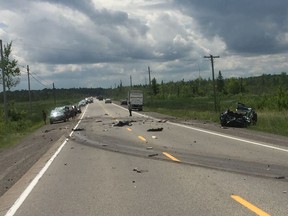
<point>243,117</point>
<point>57,114</point>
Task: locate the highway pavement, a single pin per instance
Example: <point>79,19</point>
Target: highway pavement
<point>114,164</point>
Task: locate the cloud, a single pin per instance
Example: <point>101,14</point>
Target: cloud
<point>252,27</point>
<point>100,42</point>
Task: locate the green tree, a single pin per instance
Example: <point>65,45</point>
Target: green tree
<point>154,86</point>
<point>234,86</point>
<point>11,69</point>
<point>220,82</point>
<point>282,99</point>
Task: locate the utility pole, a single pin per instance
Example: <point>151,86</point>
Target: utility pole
<point>214,88</point>
<point>4,84</point>
<point>29,92</point>
<point>149,76</point>
<point>130,81</point>
<point>54,95</point>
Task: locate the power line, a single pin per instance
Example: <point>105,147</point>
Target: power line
<point>214,89</point>
<point>40,82</point>
<point>35,77</point>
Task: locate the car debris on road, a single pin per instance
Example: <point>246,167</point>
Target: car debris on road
<point>122,123</point>
<point>155,129</point>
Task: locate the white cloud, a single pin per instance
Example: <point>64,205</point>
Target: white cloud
<point>100,42</point>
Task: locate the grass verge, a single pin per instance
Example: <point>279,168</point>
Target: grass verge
<point>274,122</point>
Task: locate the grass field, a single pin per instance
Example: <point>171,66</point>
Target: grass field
<point>26,120</point>
<point>270,121</point>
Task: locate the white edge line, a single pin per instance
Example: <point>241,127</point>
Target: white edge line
<point>231,137</point>
<point>216,134</point>
<point>34,182</point>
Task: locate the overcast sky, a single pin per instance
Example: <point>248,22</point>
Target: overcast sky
<point>98,43</point>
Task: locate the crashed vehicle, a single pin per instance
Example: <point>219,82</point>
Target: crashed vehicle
<point>58,114</point>
<point>243,117</point>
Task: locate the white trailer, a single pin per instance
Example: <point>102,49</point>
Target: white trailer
<point>135,97</point>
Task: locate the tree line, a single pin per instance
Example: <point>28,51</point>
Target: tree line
<point>273,89</point>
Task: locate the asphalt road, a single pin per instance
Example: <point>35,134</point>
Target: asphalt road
<point>106,169</point>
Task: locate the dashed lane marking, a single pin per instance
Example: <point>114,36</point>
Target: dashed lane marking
<point>142,138</point>
<point>250,206</point>
<point>170,156</point>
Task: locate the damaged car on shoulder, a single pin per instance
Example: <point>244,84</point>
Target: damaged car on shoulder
<point>242,117</point>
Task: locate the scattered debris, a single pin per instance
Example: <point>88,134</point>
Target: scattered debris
<point>136,170</point>
<point>139,171</point>
<point>104,145</point>
<point>162,121</point>
<point>224,127</point>
<point>154,137</point>
<point>99,121</point>
<point>78,129</point>
<point>152,155</point>
<point>155,129</point>
<point>149,148</point>
<point>284,191</point>
<point>280,177</point>
<point>122,123</point>
<point>46,131</point>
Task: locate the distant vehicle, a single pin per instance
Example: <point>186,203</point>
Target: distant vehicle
<point>57,114</point>
<point>89,100</point>
<point>82,103</point>
<point>108,100</point>
<point>124,102</point>
<point>77,109</point>
<point>100,98</point>
<point>135,97</point>
<point>69,111</point>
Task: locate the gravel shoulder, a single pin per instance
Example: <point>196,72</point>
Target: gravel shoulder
<point>18,159</point>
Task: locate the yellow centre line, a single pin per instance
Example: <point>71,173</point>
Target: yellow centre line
<point>171,157</point>
<point>249,206</point>
<point>142,138</point>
